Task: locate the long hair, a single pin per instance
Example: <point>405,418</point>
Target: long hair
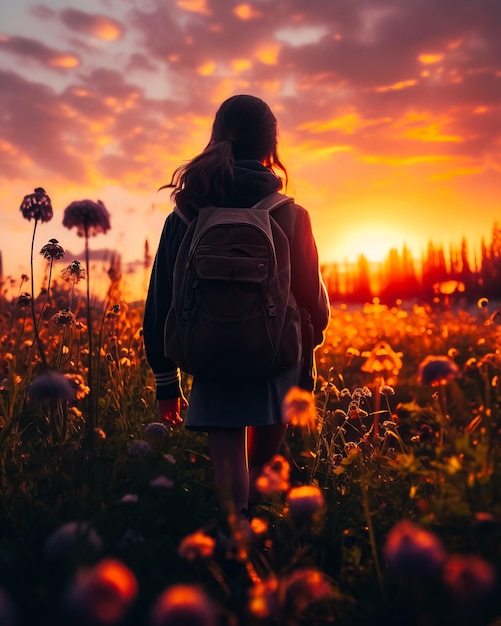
<point>244,128</point>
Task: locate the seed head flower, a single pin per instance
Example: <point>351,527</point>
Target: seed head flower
<point>52,250</point>
<point>51,388</point>
<point>198,545</point>
<point>74,273</point>
<point>304,587</point>
<point>37,206</point>
<point>184,605</point>
<point>469,579</point>
<point>103,594</point>
<point>382,358</point>
<point>88,217</point>
<point>298,408</point>
<point>412,550</point>
<point>305,500</point>
<point>24,299</point>
<point>69,536</point>
<point>437,370</point>
<point>64,317</point>
<point>274,476</point>
<point>81,388</point>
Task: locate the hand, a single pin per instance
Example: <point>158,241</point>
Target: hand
<point>170,410</point>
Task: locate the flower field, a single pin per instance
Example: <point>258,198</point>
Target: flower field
<point>383,507</point>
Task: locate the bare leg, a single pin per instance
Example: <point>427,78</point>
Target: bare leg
<point>227,448</point>
<point>263,443</point>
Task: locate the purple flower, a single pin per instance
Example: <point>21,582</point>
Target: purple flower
<point>412,550</point>
<point>437,370</point>
<point>37,206</point>
<point>139,447</point>
<point>69,536</point>
<point>51,387</point>
<point>469,579</point>
<point>162,482</point>
<point>88,217</point>
<point>156,430</point>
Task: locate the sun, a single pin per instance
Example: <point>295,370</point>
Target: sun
<point>374,241</point>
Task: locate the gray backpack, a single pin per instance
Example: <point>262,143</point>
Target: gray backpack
<point>232,313</point>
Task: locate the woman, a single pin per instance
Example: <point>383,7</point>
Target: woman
<point>243,417</point>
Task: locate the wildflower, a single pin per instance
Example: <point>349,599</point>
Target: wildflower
<point>37,206</point>
<point>74,273</point>
<point>274,476</point>
<point>298,408</point>
<point>386,390</point>
<point>161,482</point>
<point>382,358</point>
<point>305,500</point>
<point>24,299</point>
<point>470,579</point>
<point>64,317</point>
<point>302,588</point>
<point>264,598</point>
<point>170,459</point>
<point>186,605</point>
<point>412,550</point>
<point>156,430</point>
<point>69,536</point>
<point>259,526</point>
<point>81,388</point>
<point>437,370</point>
<point>88,217</point>
<point>51,387</point>
<point>129,498</point>
<point>52,250</point>
<point>139,447</point>
<point>103,594</point>
<point>195,546</point>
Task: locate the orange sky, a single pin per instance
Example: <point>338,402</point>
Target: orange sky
<point>389,113</point>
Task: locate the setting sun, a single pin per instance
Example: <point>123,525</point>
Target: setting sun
<point>374,241</point>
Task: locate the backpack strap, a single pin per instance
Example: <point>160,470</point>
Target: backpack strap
<point>273,201</point>
<point>268,203</point>
<point>181,215</point>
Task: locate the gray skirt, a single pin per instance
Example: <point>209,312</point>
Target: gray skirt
<point>235,403</point>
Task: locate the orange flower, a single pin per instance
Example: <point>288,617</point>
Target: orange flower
<point>382,358</point>
<point>305,500</point>
<point>103,594</point>
<point>184,605</point>
<point>196,545</point>
<point>274,476</point>
<point>298,408</point>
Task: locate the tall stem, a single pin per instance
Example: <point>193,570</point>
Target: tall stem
<point>91,422</point>
<point>33,313</point>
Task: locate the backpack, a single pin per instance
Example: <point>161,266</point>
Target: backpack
<point>232,312</point>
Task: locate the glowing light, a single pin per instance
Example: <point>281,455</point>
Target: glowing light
<point>108,30</point>
<point>240,65</point>
<point>372,240</point>
<point>430,59</point>
<point>64,60</point>
<point>246,12</point>
<point>268,55</point>
<point>397,86</point>
<point>207,69</point>
<point>194,6</point>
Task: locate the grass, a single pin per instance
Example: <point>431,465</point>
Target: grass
<point>383,448</point>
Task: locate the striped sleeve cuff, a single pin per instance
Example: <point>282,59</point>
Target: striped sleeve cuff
<point>168,385</point>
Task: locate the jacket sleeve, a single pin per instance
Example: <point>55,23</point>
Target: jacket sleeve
<point>158,300</point>
<point>306,280</point>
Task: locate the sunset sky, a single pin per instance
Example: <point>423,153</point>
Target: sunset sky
<point>389,113</point>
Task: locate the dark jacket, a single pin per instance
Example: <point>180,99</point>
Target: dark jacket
<point>252,182</point>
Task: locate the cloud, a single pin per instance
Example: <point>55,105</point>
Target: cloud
<point>101,26</point>
<point>39,52</point>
